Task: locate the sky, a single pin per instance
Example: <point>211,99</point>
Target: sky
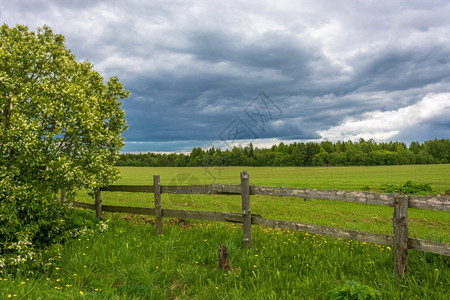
<point>225,73</point>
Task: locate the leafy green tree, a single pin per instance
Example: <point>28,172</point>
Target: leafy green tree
<point>439,149</point>
<point>321,158</point>
<point>60,127</point>
<point>415,147</point>
<point>423,157</point>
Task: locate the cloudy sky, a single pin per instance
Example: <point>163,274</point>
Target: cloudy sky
<point>220,73</point>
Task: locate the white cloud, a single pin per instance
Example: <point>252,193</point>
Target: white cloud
<point>384,125</point>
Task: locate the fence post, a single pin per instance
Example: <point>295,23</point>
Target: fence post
<point>401,238</point>
<point>98,204</point>
<point>158,206</point>
<point>246,212</point>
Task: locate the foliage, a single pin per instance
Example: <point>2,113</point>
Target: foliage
<point>60,127</point>
<point>326,153</point>
<point>409,188</point>
<point>353,291</point>
<point>26,257</point>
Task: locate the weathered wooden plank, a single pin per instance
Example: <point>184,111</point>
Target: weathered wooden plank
<point>382,239</point>
<point>203,215</point>
<point>158,206</point>
<point>186,189</point>
<point>333,195</point>
<point>213,189</point>
<point>120,209</point>
<point>83,205</point>
<point>246,211</point>
<point>428,246</point>
<point>226,189</point>
<point>129,188</point>
<point>401,238</point>
<point>437,202</point>
<point>130,209</point>
<point>171,213</point>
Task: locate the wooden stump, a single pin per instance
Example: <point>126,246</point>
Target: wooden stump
<point>224,259</point>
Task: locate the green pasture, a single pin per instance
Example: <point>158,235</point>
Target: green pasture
<point>424,224</point>
<point>130,261</point>
<point>342,178</point>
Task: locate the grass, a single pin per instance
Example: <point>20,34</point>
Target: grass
<point>424,224</point>
<point>129,261</point>
<point>343,178</point>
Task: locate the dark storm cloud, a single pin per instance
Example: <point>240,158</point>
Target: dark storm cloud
<point>192,68</point>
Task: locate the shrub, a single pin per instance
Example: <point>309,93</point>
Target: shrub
<point>60,127</point>
<point>353,291</point>
<point>409,188</point>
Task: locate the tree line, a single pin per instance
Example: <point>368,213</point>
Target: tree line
<point>326,153</point>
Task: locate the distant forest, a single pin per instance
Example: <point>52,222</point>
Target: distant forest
<point>362,153</point>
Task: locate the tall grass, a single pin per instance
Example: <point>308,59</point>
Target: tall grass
<point>129,261</point>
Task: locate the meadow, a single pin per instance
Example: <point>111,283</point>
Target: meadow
<point>130,261</point>
<point>424,224</point>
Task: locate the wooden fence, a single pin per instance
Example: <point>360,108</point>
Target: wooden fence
<point>400,241</point>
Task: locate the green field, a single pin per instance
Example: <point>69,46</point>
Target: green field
<point>343,178</point>
<point>425,224</point>
<point>130,261</point>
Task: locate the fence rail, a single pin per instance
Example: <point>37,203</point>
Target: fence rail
<point>400,241</point>
<point>375,238</point>
<point>437,202</point>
